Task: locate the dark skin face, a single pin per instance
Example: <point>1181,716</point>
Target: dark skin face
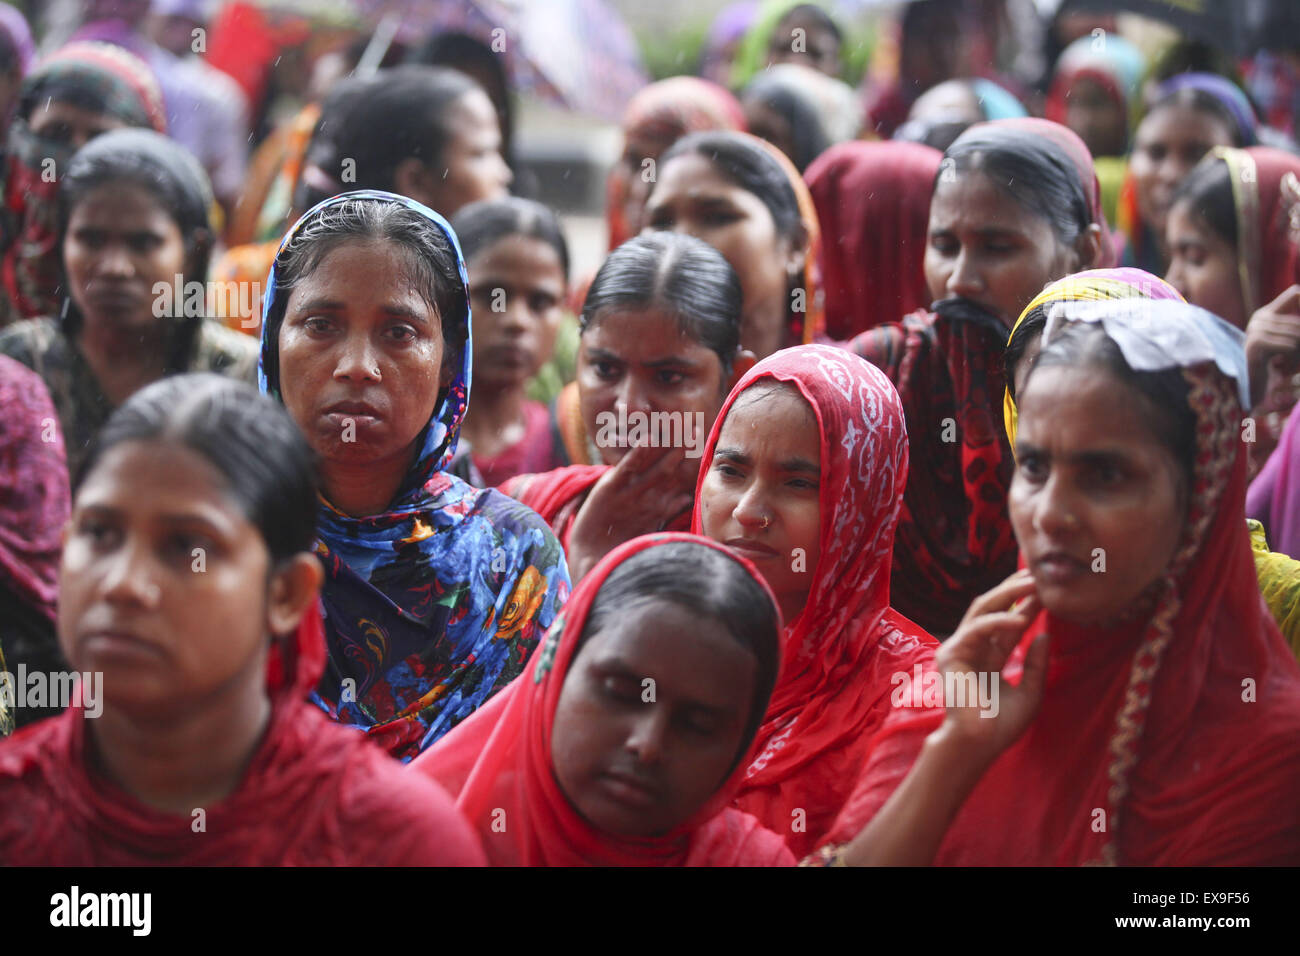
<point>986,247</point>
<point>74,126</point>
<point>167,589</point>
<point>642,359</point>
<point>635,767</point>
<point>1092,481</point>
<point>169,638</point>
<point>1098,117</point>
<point>513,342</point>
<point>120,242</point>
<point>800,39</point>
<point>1203,266</point>
<point>471,167</point>
<point>761,493</point>
<point>693,198</point>
<point>1168,143</point>
<point>767,123</point>
<point>361,355</point>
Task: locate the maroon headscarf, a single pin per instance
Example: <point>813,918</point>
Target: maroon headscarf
<point>34,501</point>
<point>873,202</point>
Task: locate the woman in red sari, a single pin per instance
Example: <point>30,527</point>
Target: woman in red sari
<point>803,476</point>
<point>660,343</point>
<point>1169,730</point>
<point>1232,252</point>
<point>188,601</point>
<point>873,204</point>
<point>1015,206</point>
<point>624,742</point>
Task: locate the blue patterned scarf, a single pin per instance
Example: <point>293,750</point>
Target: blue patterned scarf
<point>436,603</point>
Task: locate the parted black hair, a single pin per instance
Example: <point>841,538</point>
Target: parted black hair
<point>746,164</point>
<point>708,583</point>
<point>681,274</point>
<point>1208,189</point>
<point>159,165</point>
<point>1026,333</point>
<point>268,466</point>
<point>807,131</point>
<point>429,256</point>
<point>1033,170</point>
<point>1202,102</point>
<point>376,123</point>
<point>483,223</point>
<point>170,174</point>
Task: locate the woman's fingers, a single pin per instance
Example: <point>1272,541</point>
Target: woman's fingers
<point>1288,302</point>
<point>1001,597</point>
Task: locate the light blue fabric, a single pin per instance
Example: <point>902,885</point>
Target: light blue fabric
<point>1155,335</point>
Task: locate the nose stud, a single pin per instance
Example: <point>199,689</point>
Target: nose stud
<point>767,520</point>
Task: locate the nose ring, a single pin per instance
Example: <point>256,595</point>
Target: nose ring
<point>767,520</point>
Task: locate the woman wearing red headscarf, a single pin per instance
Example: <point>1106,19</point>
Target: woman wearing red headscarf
<point>203,749</point>
<point>33,511</point>
<point>1169,729</point>
<point>803,476</point>
<point>1015,206</point>
<point>624,742</point>
<point>1232,251</point>
<point>873,205</point>
<point>79,91</point>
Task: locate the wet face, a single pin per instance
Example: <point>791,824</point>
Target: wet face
<point>1168,143</point>
<point>760,495</point>
<point>644,360</point>
<point>120,242</point>
<point>72,126</point>
<point>1098,502</point>
<point>361,351</point>
<point>637,767</point>
<point>986,247</point>
<point>799,38</point>
<point>472,159</point>
<point>692,198</point>
<point>517,288</point>
<point>164,584</point>
<point>1097,116</point>
<point>1203,266</point>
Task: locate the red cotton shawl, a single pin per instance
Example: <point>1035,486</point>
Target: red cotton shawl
<point>842,651</point>
<point>498,763</point>
<point>314,793</point>
<point>1150,748</point>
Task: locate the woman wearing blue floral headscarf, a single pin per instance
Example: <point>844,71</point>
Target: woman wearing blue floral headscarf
<point>436,592</point>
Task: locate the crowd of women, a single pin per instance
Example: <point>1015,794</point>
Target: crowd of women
<point>957,551</point>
